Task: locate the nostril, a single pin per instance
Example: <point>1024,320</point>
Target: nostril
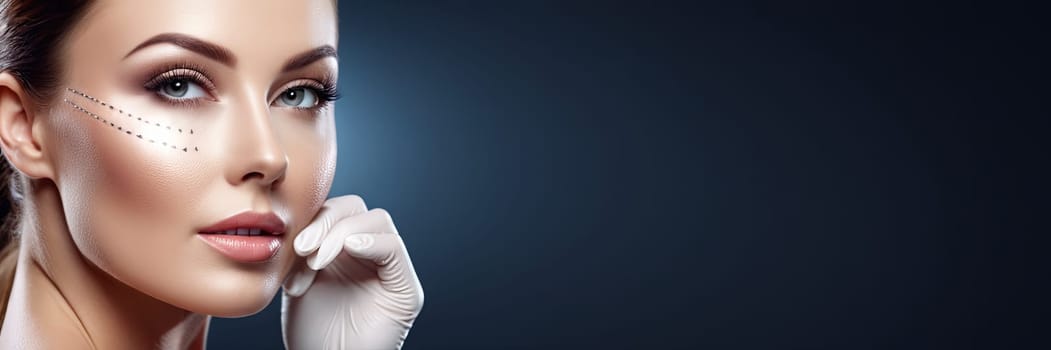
<point>252,175</point>
<point>265,169</point>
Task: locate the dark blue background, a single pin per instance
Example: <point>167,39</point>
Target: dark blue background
<point>662,175</point>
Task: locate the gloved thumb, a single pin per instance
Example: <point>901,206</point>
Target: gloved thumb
<point>300,279</point>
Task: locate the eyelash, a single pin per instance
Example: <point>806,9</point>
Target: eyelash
<point>325,89</point>
<point>186,72</point>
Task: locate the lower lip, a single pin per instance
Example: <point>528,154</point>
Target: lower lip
<point>249,249</point>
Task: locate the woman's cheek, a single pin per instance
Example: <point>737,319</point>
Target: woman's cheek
<point>148,162</point>
<point>138,208</point>
<point>310,172</point>
<point>315,176</point>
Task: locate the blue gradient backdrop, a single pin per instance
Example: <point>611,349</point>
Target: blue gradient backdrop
<point>672,175</point>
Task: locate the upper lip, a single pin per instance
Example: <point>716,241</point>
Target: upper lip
<point>268,222</point>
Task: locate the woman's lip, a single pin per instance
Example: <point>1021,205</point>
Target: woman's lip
<point>249,249</point>
<point>268,221</point>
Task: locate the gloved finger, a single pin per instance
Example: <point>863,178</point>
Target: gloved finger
<point>300,279</point>
<point>396,273</point>
<point>375,220</point>
<point>331,212</point>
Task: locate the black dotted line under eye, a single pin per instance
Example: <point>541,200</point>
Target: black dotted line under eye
<point>121,111</point>
<point>126,131</point>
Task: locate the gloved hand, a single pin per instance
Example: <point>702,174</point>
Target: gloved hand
<point>357,288</point>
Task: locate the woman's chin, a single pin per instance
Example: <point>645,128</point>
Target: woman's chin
<point>234,311</point>
<point>230,305</point>
<point>223,297</point>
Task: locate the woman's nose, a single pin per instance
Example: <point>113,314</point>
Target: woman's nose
<point>257,153</point>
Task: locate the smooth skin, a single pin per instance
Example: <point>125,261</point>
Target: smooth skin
<point>110,255</point>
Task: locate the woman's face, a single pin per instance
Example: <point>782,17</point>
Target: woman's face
<point>176,115</point>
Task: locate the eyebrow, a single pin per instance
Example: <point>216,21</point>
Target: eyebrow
<point>199,46</point>
<point>308,57</point>
<point>224,56</point>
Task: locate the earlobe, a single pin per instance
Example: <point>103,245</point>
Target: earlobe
<point>18,142</point>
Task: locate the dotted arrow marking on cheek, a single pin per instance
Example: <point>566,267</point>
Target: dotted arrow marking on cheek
<point>121,111</point>
<point>120,128</point>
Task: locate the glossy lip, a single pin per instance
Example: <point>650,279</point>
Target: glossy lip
<point>268,222</point>
<point>247,249</point>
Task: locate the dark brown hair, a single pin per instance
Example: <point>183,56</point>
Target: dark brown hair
<point>31,33</point>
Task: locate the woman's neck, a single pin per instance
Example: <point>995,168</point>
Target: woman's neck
<point>59,299</point>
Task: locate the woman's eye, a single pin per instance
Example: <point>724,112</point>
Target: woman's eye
<point>298,97</point>
<point>181,89</point>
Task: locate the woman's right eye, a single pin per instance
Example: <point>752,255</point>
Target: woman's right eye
<point>181,89</point>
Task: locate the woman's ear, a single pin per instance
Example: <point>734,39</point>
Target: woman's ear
<point>19,141</point>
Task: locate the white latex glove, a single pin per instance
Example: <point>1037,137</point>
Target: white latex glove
<point>357,288</point>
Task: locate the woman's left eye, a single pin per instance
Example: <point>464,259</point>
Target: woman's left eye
<point>181,89</point>
<point>298,97</point>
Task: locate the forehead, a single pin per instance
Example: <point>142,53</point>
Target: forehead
<point>252,30</point>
